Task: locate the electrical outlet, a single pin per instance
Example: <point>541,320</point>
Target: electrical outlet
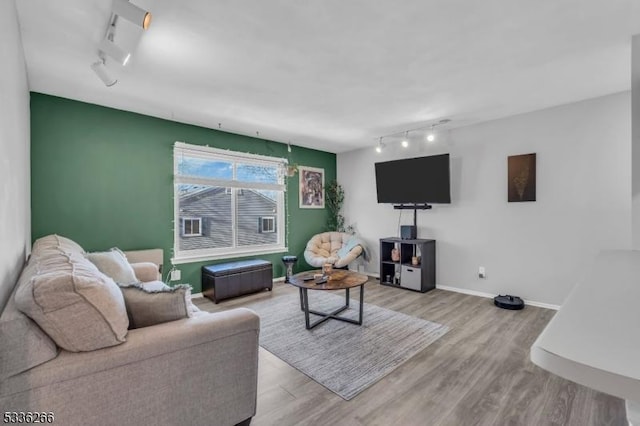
<point>176,275</point>
<point>481,272</point>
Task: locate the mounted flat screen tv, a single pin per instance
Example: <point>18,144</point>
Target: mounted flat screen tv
<point>414,180</point>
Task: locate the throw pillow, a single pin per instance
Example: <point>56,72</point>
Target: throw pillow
<point>114,264</point>
<point>79,307</point>
<point>159,286</point>
<point>349,245</point>
<point>154,303</point>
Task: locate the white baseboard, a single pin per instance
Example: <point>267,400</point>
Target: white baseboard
<point>491,296</point>
<point>446,288</point>
<point>543,305</point>
<point>480,293</point>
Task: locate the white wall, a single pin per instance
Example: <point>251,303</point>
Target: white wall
<point>536,250</point>
<point>15,210</point>
<point>635,114</point>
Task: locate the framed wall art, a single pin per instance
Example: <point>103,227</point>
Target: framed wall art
<point>521,178</point>
<point>311,187</point>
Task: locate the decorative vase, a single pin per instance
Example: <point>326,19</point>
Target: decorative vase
<point>327,269</point>
<point>395,255</point>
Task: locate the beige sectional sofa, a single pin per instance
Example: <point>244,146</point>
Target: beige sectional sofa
<point>200,370</point>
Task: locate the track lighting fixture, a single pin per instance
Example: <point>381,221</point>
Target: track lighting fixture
<point>405,141</point>
<point>430,136</point>
<point>132,13</point>
<point>103,73</point>
<point>107,47</point>
<point>291,168</point>
<point>110,48</point>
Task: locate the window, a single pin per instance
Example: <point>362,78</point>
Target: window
<point>267,224</point>
<point>191,227</point>
<point>219,196</point>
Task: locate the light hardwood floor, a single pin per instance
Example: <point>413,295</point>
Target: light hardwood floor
<point>479,373</point>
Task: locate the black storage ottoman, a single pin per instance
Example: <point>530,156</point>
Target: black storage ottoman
<point>227,280</point>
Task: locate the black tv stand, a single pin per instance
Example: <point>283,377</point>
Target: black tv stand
<point>403,272</point>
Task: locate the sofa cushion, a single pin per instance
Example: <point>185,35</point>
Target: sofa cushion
<point>80,308</point>
<point>155,302</point>
<point>24,344</point>
<point>324,248</point>
<point>114,264</point>
<point>327,244</point>
<point>146,271</point>
<point>55,242</point>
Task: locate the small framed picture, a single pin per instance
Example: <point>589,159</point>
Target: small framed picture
<point>311,187</point>
<point>521,185</point>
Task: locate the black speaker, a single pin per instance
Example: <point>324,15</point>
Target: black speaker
<point>408,232</point>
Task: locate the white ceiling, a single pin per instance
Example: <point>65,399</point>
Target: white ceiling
<point>334,75</point>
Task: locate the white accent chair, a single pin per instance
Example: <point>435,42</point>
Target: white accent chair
<point>327,247</point>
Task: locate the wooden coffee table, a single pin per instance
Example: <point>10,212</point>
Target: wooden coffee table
<point>339,280</point>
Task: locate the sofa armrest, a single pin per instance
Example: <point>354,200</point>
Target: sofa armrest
<point>202,370</point>
<point>151,255</point>
<point>146,271</point>
<point>141,344</point>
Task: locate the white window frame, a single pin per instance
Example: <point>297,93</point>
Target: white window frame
<point>191,219</point>
<point>270,229</point>
<point>188,256</point>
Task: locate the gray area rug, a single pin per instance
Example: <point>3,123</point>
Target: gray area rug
<point>344,358</point>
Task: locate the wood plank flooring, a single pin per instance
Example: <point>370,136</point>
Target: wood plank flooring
<point>479,373</point>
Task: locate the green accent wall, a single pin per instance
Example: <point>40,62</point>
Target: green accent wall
<point>104,178</point>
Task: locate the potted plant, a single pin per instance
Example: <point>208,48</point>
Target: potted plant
<point>334,194</point>
<point>291,170</point>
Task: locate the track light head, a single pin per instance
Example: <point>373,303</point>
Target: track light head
<point>380,146</point>
<point>431,136</point>
<point>405,141</point>
<point>132,13</point>
<point>103,73</point>
<point>113,50</point>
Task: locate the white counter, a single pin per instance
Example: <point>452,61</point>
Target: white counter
<point>594,339</point>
